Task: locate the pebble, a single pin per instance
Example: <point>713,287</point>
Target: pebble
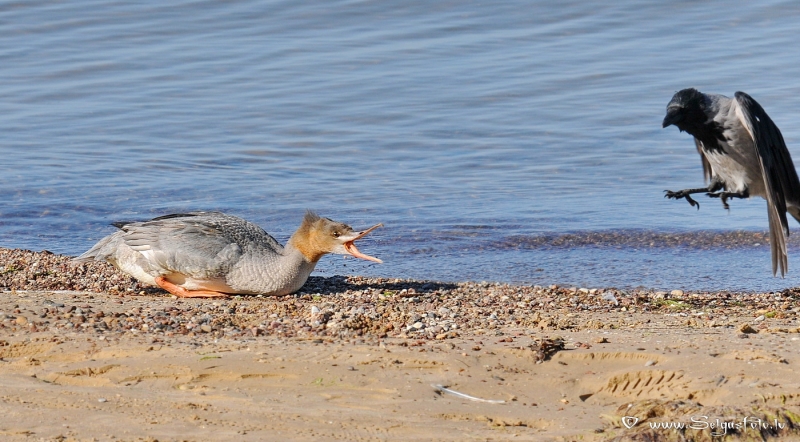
<point>746,328</point>
<point>608,296</point>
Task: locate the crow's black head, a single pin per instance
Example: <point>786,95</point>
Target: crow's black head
<point>685,110</point>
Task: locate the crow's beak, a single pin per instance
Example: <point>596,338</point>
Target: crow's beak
<point>673,116</point>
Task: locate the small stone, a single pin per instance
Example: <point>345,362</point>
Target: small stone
<point>650,363</point>
<point>760,318</point>
<point>21,320</point>
<point>102,399</point>
<point>601,340</point>
<point>676,293</point>
<point>314,310</point>
<point>608,296</point>
<point>418,326</point>
<point>206,328</point>
<point>746,328</point>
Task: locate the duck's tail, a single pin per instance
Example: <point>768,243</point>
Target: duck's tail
<point>102,251</point>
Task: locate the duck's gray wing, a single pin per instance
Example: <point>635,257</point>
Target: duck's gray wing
<point>780,178</point>
<point>106,249</point>
<point>198,244</point>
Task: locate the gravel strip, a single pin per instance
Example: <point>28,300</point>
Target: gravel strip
<point>45,292</point>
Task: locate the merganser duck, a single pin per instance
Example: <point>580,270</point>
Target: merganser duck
<point>211,254</point>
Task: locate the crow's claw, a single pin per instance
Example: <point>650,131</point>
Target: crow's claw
<point>723,196</point>
<point>692,202</point>
<point>681,194</point>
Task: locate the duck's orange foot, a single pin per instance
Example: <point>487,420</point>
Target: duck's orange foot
<point>183,293</point>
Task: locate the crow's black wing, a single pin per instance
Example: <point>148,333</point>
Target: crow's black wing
<point>780,178</point>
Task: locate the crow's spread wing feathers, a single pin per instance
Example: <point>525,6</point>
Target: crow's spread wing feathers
<point>780,178</point>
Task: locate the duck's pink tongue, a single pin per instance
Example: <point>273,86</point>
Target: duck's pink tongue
<point>351,248</point>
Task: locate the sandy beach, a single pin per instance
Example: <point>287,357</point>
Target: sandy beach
<point>86,354</point>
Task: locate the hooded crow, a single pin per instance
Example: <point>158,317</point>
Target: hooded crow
<point>743,155</point>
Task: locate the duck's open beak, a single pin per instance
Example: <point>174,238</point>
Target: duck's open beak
<point>350,245</point>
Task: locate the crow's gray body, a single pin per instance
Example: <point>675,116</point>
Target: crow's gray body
<point>743,155</point>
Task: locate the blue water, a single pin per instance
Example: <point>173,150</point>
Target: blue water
<point>466,128</point>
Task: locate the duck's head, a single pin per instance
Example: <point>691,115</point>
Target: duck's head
<point>318,236</point>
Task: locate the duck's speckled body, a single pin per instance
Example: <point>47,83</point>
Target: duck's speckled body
<point>211,254</point>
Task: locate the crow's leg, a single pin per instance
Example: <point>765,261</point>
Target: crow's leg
<point>685,193</point>
<point>725,195</point>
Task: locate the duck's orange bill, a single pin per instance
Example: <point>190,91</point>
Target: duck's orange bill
<point>350,246</point>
